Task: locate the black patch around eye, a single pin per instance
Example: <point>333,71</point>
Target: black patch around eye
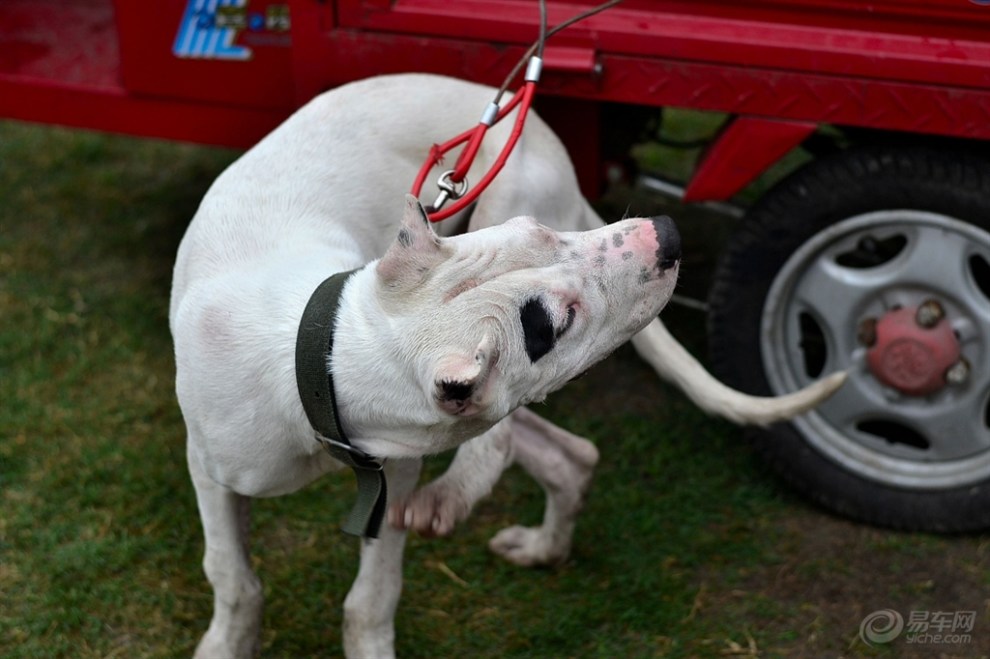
<point>538,329</point>
<point>405,238</point>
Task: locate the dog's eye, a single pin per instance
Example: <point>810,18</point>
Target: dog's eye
<point>571,314</point>
<point>539,332</point>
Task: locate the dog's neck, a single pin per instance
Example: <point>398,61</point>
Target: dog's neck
<point>384,393</point>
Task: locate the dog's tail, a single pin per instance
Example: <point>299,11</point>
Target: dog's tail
<point>674,363</point>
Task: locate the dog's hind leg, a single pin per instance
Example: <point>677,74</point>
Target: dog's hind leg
<point>563,464</point>
<point>237,596</point>
<point>369,609</point>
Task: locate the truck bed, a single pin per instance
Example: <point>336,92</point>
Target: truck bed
<point>912,65</point>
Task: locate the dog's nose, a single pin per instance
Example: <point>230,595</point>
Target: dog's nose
<point>668,242</point>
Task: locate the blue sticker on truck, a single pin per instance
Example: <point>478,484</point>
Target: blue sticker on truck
<point>226,29</point>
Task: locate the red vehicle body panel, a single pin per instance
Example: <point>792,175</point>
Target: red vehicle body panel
<point>781,68</point>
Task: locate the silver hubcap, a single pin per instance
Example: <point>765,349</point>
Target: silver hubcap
<point>864,267</point>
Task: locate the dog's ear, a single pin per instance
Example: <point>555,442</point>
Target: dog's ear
<point>416,249</point>
<point>459,383</point>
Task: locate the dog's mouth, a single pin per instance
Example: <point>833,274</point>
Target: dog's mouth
<point>579,375</point>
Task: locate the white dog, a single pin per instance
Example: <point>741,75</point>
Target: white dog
<point>435,340</point>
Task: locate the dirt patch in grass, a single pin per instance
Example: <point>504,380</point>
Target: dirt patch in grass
<point>827,575</point>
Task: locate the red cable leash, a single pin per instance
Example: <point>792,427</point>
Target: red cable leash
<point>453,183</point>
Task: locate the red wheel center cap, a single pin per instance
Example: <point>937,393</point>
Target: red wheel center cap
<point>909,356</point>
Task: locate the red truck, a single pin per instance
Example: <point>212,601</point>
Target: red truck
<point>872,257</point>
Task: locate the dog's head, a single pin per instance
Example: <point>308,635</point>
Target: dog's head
<point>501,317</point>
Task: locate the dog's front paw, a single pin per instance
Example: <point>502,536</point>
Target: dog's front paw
<point>214,645</point>
<point>529,547</point>
<point>432,510</point>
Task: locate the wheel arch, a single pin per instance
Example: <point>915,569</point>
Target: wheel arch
<point>745,147</point>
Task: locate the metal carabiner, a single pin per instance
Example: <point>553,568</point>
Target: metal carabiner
<point>449,189</point>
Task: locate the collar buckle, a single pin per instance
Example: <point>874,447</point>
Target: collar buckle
<point>359,459</point>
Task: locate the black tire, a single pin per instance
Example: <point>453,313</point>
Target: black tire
<point>856,470</point>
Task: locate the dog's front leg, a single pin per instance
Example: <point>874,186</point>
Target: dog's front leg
<point>369,609</point>
<point>561,462</point>
<point>436,508</point>
<point>237,597</point>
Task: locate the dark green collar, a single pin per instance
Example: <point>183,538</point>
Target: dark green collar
<point>314,344</point>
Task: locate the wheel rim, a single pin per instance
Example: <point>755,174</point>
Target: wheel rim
<point>863,267</point>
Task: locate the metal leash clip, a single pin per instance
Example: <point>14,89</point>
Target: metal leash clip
<point>449,190</point>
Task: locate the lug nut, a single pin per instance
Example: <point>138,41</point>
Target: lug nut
<point>929,314</point>
<point>866,333</point>
<point>958,373</point>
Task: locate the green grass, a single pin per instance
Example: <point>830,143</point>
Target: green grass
<point>687,547</point>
